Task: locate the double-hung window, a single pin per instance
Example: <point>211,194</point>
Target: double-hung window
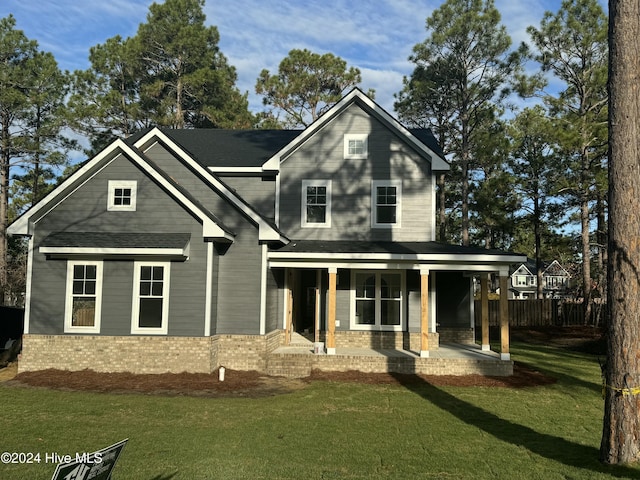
<point>150,297</point>
<point>122,195</point>
<point>84,297</point>
<point>377,300</point>
<point>386,198</point>
<point>316,203</point>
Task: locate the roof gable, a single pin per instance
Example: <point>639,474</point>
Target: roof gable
<point>267,231</point>
<point>211,225</point>
<point>420,140</point>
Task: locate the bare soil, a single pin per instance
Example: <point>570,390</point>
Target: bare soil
<point>254,384</point>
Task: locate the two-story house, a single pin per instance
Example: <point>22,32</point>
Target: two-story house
<point>524,280</point>
<point>184,250</point>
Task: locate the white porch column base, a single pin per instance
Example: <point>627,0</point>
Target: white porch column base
<point>486,348</point>
<point>505,356</point>
<point>331,351</point>
<point>424,353</point>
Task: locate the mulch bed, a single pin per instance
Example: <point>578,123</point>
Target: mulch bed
<point>254,384</point>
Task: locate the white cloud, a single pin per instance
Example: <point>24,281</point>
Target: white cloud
<point>377,37</point>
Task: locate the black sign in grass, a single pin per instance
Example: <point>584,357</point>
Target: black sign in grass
<point>91,466</point>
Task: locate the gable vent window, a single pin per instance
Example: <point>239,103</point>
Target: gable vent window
<point>122,195</point>
<point>355,146</point>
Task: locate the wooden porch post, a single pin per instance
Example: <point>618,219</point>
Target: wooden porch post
<point>504,316</point>
<point>289,306</point>
<point>484,310</point>
<point>424,312</point>
<point>331,320</point>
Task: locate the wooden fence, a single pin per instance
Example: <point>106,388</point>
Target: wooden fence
<point>540,313</point>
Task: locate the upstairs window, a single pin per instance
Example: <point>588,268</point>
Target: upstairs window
<point>386,202</point>
<point>316,203</point>
<point>122,195</point>
<point>355,146</point>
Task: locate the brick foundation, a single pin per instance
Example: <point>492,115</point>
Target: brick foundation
<point>237,352</point>
<point>117,354</point>
<point>456,335</point>
<point>384,340</point>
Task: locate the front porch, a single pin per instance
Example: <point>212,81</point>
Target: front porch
<point>298,360</point>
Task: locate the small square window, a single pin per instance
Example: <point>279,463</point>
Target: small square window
<point>356,146</point>
<point>122,195</point>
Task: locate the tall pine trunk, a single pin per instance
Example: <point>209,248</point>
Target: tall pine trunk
<point>621,425</point>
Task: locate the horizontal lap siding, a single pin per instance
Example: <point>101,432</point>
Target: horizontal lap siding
<point>259,192</point>
<point>239,268</point>
<point>85,210</point>
<point>390,158</point>
<point>239,281</point>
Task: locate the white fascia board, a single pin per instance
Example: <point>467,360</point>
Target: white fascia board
<point>238,170</point>
<point>265,231</point>
<point>431,267</point>
<point>177,252</point>
<point>22,225</point>
<point>273,163</point>
<point>209,227</point>
<point>417,257</point>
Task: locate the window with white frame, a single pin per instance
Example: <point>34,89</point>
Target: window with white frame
<point>377,300</point>
<point>150,297</point>
<point>316,203</point>
<point>122,195</point>
<point>84,296</point>
<point>386,203</point>
<point>356,146</point>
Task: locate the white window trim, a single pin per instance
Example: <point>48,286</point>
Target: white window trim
<point>135,309</point>
<point>113,184</point>
<point>374,212</point>
<point>68,307</point>
<point>378,326</point>
<point>303,219</point>
<point>356,136</point>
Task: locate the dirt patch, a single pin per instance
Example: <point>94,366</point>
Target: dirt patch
<point>585,339</point>
<point>255,384</point>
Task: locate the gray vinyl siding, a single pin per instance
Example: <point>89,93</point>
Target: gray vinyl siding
<point>414,301</point>
<point>85,210</point>
<point>239,269</point>
<point>258,191</point>
<point>239,282</point>
<point>389,158</point>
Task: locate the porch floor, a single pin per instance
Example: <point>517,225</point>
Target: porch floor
<point>444,351</point>
<point>298,360</point>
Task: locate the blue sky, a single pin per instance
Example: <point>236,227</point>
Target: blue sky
<point>377,37</point>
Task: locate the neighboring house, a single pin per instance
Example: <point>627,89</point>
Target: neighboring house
<point>184,250</point>
<point>524,281</point>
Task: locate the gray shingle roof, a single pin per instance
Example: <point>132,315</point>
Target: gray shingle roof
<point>398,248</point>
<point>248,148</point>
<point>116,240</point>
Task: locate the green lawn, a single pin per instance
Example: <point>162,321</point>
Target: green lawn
<point>330,430</point>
